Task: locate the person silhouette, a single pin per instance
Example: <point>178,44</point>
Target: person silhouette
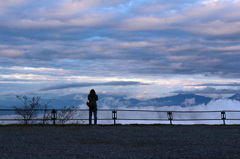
<point>92,104</point>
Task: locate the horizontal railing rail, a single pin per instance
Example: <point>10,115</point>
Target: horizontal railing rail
<point>118,115</point>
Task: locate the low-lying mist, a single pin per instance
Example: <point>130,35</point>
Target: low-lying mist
<point>150,115</point>
<point>127,117</point>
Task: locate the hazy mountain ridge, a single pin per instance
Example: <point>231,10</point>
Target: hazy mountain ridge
<point>235,97</point>
<point>115,101</point>
<point>181,100</point>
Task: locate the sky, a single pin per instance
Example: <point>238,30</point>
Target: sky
<point>137,48</point>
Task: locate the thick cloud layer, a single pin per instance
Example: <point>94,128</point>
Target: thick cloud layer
<point>48,42</point>
<point>150,37</point>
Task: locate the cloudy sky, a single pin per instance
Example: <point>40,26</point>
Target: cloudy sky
<point>138,48</point>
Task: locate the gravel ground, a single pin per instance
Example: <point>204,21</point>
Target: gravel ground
<point>121,141</point>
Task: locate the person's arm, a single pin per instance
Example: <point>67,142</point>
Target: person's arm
<point>96,97</point>
<point>89,97</point>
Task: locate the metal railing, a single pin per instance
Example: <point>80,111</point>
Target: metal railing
<point>117,115</point>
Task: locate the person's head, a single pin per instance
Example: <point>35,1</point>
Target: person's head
<point>92,92</point>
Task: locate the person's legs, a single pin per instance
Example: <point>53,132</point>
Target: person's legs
<point>95,117</point>
<point>90,116</point>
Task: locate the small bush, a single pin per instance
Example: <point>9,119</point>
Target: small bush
<point>28,109</point>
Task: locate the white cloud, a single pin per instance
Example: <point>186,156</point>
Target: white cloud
<point>215,28</point>
<point>12,53</point>
<point>71,8</point>
<point>6,4</point>
<point>189,102</point>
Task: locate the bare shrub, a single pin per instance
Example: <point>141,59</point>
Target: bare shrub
<point>65,114</point>
<point>46,113</point>
<point>28,109</point>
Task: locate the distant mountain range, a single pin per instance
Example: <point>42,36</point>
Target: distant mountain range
<point>114,101</point>
<point>180,100</point>
<point>235,97</point>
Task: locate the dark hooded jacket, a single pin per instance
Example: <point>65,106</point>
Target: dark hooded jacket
<point>93,98</point>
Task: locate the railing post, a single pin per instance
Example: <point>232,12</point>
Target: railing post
<point>114,116</point>
<point>223,115</point>
<point>170,117</point>
<point>54,116</point>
